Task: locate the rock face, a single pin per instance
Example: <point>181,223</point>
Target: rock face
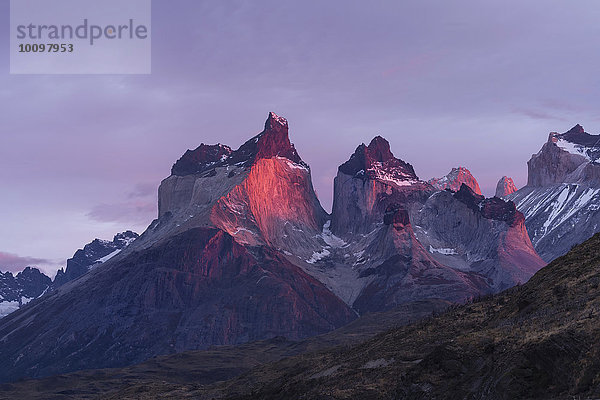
<point>505,187</point>
<point>261,194</point>
<point>15,291</point>
<point>455,178</point>
<point>405,271</point>
<point>92,254</point>
<point>473,234</point>
<point>562,196</point>
<point>368,183</point>
<point>569,157</point>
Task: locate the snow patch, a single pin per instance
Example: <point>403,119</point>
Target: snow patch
<point>574,148</point>
<point>316,256</point>
<point>446,252</point>
<point>107,257</point>
<point>393,175</point>
<point>292,164</point>
<point>7,307</point>
<point>240,229</point>
<point>330,238</point>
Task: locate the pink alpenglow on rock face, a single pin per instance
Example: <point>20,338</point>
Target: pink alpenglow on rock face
<point>455,179</point>
<point>366,184</point>
<point>505,187</point>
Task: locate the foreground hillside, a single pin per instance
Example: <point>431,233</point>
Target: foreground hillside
<point>539,340</point>
<point>215,364</point>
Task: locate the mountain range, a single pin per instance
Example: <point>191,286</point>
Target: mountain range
<point>242,251</point>
<point>16,291</point>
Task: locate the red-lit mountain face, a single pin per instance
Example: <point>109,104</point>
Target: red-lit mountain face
<point>455,178</point>
<point>261,194</point>
<point>211,270</point>
<point>242,250</point>
<point>505,187</point>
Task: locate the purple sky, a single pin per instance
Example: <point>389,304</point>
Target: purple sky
<point>471,83</point>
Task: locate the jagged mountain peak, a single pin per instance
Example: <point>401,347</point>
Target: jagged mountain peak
<point>577,129</point>
<point>454,179</point>
<point>379,149</point>
<point>272,142</point>
<point>505,187</point>
<point>125,237</point>
<point>274,121</point>
<point>376,161</point>
<point>17,290</point>
<point>576,136</point>
<point>96,252</point>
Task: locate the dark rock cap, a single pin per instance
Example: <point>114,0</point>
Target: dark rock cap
<point>272,142</point>
<point>376,155</point>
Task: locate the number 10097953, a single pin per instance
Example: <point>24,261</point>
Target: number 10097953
<point>46,48</point>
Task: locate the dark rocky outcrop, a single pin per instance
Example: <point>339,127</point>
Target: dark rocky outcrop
<point>201,159</point>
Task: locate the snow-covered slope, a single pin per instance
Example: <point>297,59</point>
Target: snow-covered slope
<point>559,216</point>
